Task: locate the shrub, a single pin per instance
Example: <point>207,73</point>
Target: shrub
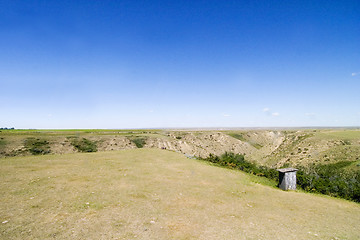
<point>84,145</point>
<point>237,161</point>
<point>329,179</point>
<point>37,146</point>
<point>138,141</point>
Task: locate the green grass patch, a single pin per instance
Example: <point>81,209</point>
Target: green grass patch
<point>37,146</point>
<point>240,137</point>
<point>339,134</point>
<point>296,139</point>
<point>83,144</point>
<point>138,141</point>
<point>346,134</point>
<point>342,153</point>
<point>2,144</point>
<point>237,136</point>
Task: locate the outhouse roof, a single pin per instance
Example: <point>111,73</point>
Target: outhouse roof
<point>284,170</point>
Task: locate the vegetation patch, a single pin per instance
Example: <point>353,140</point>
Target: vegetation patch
<point>237,161</point>
<point>237,136</point>
<point>344,134</point>
<point>342,153</point>
<point>138,141</point>
<point>329,179</point>
<point>37,146</point>
<point>240,137</point>
<point>296,139</point>
<point>84,145</point>
<point>256,145</point>
<point>2,144</point>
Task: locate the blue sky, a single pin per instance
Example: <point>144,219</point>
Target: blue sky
<point>158,64</point>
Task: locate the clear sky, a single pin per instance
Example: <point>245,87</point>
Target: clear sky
<point>154,64</point>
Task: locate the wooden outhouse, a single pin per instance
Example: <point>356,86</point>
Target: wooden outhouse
<point>287,178</point>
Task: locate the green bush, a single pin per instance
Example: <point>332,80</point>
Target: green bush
<point>237,161</point>
<point>138,141</point>
<point>84,145</point>
<point>329,179</point>
<point>37,146</point>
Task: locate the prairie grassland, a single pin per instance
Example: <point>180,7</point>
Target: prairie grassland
<point>340,134</point>
<point>157,194</point>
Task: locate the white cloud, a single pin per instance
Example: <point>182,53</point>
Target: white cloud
<point>227,115</point>
<point>270,113</point>
<point>354,74</point>
<point>151,111</point>
<point>310,114</point>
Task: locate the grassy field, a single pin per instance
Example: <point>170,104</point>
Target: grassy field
<point>157,194</point>
<point>66,132</point>
<point>344,134</point>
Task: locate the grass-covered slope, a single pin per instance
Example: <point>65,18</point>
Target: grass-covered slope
<point>157,194</point>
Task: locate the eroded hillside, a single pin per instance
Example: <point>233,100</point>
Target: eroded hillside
<point>267,147</point>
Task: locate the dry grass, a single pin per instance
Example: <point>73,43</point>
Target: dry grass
<point>156,194</point>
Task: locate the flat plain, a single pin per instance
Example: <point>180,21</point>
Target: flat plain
<point>157,194</point>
